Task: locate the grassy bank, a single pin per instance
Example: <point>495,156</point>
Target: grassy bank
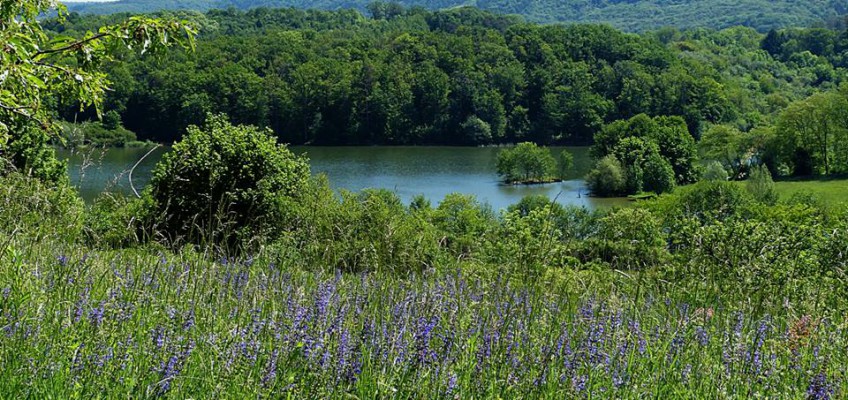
<point>829,190</point>
<point>445,302</point>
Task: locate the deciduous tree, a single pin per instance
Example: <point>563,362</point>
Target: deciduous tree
<point>34,68</point>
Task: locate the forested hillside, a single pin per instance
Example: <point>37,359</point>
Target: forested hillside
<point>635,15</point>
<point>460,77</point>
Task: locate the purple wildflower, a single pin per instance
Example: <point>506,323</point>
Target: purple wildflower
<point>819,388</point>
<point>169,372</point>
<point>103,359</point>
<point>158,337</point>
<point>702,336</point>
<point>676,345</point>
<point>451,386</point>
<point>173,367</point>
<point>579,383</point>
<point>737,330</point>
<point>684,375</point>
<point>95,316</point>
<point>271,370</point>
<point>755,356</point>
<point>344,349</point>
<point>617,379</point>
<point>422,339</point>
<point>189,321</point>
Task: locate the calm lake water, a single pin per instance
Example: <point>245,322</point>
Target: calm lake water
<point>407,171</point>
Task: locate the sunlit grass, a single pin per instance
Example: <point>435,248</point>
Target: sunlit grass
<point>740,309</point>
<point>79,323</point>
<point>830,191</point>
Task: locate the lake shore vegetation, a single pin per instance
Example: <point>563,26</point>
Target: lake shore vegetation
<point>108,132</point>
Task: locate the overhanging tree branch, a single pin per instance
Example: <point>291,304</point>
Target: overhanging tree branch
<point>17,110</point>
<point>73,46</point>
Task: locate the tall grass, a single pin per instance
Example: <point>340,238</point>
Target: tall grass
<point>134,323</point>
<point>371,300</point>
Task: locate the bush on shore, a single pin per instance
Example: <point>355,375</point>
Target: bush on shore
<point>226,183</point>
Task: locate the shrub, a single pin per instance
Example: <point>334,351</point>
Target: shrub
<point>226,182</point>
<point>712,200</point>
<point>97,134</point>
<point>607,178</point>
<point>807,198</point>
<point>421,204</point>
<point>572,221</point>
<point>632,225</point>
<point>28,151</point>
<point>525,244</point>
<point>629,238</point>
<point>534,202</point>
<point>749,257</point>
<point>463,220</point>
<point>366,231</point>
<point>761,186</point>
<point>833,258</point>
<point>115,221</point>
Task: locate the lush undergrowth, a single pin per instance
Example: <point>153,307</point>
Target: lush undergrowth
<point>702,294</point>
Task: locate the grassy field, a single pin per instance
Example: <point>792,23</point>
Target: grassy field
<point>83,324</point>
<point>830,191</point>
<point>545,304</point>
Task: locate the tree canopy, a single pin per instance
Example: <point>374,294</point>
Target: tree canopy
<point>655,154</point>
<point>455,77</point>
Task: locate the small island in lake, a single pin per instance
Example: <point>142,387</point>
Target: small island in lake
<point>528,164</point>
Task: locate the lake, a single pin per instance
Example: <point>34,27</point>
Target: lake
<point>407,171</point>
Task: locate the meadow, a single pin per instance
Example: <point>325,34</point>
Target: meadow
<point>594,313</point>
<point>830,190</point>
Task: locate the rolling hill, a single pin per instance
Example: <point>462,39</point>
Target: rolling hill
<point>631,15</point>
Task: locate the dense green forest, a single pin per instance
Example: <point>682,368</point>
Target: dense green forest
<point>656,102</point>
<point>423,77</point>
<point>632,15</point>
